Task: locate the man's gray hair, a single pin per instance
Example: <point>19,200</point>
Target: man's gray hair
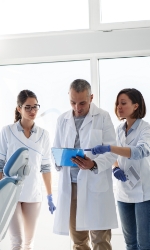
<point>79,85</point>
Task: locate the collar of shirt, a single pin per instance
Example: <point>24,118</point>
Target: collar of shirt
<point>79,117</point>
<point>133,127</point>
<point>20,128</point>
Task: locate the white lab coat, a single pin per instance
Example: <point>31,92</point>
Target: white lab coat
<point>39,153</point>
<point>141,191</point>
<point>95,199</point>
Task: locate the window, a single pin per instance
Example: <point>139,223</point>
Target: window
<point>50,82</point>
<point>119,14</point>
<point>29,16</point>
<point>117,74</point>
<point>124,10</point>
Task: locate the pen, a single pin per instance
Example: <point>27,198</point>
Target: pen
<point>87,149</point>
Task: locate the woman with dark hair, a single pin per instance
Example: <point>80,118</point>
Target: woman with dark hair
<point>24,132</point>
<point>132,168</point>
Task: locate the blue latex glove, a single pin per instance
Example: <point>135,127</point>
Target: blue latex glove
<point>52,207</point>
<point>119,174</point>
<point>99,149</point>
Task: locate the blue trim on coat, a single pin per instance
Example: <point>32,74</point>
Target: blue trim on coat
<point>40,136</point>
<point>24,143</point>
<point>2,154</point>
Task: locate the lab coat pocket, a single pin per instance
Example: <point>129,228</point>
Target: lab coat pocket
<point>98,182</point>
<point>95,138</point>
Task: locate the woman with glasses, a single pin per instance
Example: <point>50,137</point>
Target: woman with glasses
<point>132,169</point>
<point>24,132</point>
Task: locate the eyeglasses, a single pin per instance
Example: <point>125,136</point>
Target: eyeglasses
<point>28,108</point>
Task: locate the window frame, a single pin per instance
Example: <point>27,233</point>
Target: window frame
<point>94,17</point>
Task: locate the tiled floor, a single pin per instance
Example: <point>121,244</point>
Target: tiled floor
<point>46,240</point>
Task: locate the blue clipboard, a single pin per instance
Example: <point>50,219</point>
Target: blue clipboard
<point>62,156</point>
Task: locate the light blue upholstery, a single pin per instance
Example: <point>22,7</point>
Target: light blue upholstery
<point>5,181</point>
<point>15,171</point>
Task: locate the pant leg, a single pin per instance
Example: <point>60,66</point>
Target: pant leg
<point>142,212</point>
<point>16,229</point>
<point>30,212</point>
<point>128,222</point>
<point>100,239</point>
<point>23,224</point>
<point>79,238</point>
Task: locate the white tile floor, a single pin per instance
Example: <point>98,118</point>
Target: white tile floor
<point>46,240</point>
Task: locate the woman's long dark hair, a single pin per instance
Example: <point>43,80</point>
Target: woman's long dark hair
<point>21,99</point>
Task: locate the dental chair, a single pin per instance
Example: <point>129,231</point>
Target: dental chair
<point>15,171</point>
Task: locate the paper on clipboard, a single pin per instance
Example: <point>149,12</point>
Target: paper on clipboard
<point>62,156</point>
<point>132,177</point>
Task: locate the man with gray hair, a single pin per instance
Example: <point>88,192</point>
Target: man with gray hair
<point>86,203</point>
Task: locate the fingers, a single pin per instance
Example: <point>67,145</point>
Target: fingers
<point>80,162</point>
<point>52,209</point>
<point>83,163</point>
<point>122,177</point>
<point>93,151</point>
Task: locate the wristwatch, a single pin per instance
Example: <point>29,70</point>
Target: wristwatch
<point>94,167</point>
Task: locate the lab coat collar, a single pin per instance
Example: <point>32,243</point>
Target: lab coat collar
<point>133,131</point>
<point>94,110</point>
<point>20,128</point>
<point>69,117</point>
<point>133,127</point>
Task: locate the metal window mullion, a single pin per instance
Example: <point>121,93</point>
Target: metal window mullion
<point>95,79</point>
<point>94,14</point>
